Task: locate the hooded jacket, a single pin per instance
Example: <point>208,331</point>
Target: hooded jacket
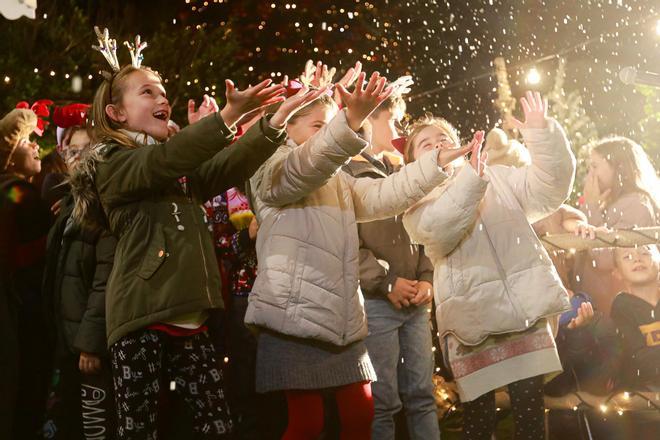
<point>165,264</point>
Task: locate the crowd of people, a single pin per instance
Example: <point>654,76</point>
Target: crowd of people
<point>269,271</point>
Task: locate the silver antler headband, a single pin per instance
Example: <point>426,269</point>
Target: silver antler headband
<point>136,51</point>
<point>108,47</point>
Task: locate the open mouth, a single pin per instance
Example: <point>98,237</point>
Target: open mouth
<point>163,115</point>
<point>639,269</point>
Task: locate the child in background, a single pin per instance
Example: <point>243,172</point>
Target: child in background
<point>621,190</point>
<point>165,276</point>
<point>79,261</point>
<point>305,300</point>
<point>24,223</point>
<point>396,281</point>
<point>636,314</point>
<point>496,290</point>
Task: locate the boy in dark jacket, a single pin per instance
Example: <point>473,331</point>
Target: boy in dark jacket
<point>636,314</point>
<point>79,261</point>
<point>396,281</point>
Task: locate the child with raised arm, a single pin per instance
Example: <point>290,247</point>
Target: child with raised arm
<point>305,300</point>
<point>165,277</point>
<point>496,290</point>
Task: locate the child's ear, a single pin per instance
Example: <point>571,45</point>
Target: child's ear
<point>115,113</point>
<point>616,273</point>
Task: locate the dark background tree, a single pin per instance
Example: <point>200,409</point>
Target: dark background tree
<point>448,47</point>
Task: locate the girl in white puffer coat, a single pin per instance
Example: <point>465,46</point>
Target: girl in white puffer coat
<point>496,290</point>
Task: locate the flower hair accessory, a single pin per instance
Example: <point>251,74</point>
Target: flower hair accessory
<point>40,108</point>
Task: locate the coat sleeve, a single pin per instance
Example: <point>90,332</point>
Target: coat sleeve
<point>291,174</point>
<point>235,164</point>
<point>127,174</point>
<point>546,183</point>
<point>376,199</point>
<point>444,219</point>
<point>91,336</point>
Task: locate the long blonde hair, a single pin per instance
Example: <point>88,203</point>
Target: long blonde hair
<point>104,129</point>
<point>633,170</point>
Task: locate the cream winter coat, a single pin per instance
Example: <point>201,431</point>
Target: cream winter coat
<point>492,275</point>
<point>307,245</point>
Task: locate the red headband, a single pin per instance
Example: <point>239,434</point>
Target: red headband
<point>72,115</point>
<point>40,108</point>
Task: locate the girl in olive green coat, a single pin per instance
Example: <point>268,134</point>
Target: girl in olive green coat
<point>165,277</point>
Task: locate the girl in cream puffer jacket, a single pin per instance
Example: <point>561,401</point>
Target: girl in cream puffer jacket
<point>305,300</point>
<point>496,288</point>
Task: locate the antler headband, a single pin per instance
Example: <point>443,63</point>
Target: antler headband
<point>108,48</point>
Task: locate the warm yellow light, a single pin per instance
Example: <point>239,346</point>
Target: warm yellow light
<point>533,76</point>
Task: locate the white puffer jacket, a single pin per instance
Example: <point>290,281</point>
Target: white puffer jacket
<point>307,245</point>
<point>492,275</point>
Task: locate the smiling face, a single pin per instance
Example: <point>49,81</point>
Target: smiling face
<point>25,160</point>
<point>301,128</point>
<point>144,106</point>
<point>638,266</point>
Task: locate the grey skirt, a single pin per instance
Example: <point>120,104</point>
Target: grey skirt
<point>290,363</point>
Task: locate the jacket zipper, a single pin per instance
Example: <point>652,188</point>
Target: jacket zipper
<point>201,244</point>
<point>500,269</point>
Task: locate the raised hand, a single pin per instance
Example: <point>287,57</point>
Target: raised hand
<point>207,107</point>
<point>293,104</point>
<point>364,100</point>
<point>478,158</point>
<point>317,75</point>
<point>254,97</point>
<point>536,112</point>
<point>347,80</point>
<point>593,195</point>
<point>447,156</point>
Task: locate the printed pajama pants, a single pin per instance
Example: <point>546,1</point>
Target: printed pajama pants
<point>139,362</point>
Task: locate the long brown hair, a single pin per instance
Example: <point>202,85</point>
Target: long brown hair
<point>104,129</point>
<point>633,170</point>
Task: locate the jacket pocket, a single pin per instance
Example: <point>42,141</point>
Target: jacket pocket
<point>155,254</point>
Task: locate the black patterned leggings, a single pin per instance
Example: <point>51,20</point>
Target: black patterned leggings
<point>480,418</point>
<point>189,362</point>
